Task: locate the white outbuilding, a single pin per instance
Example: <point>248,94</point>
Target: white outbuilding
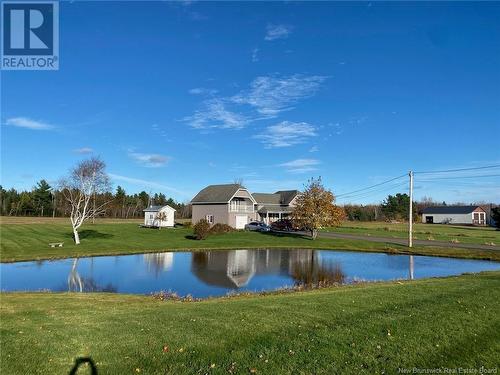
<point>159,216</point>
<point>468,215</point>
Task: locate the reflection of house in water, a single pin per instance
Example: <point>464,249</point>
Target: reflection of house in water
<point>235,269</point>
<point>228,269</point>
<point>159,262</point>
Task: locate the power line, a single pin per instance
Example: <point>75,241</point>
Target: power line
<point>458,177</point>
<point>374,192</point>
<point>460,169</point>
<point>370,187</point>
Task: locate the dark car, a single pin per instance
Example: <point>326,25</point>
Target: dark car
<point>284,225</point>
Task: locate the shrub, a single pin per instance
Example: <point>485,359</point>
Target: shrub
<point>201,229</point>
<point>221,228</point>
<point>187,224</point>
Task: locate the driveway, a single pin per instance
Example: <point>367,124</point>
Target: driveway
<point>404,241</point>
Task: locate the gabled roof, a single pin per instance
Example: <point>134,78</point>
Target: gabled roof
<point>267,198</point>
<point>283,197</point>
<point>287,195</point>
<point>450,209</point>
<point>156,208</point>
<point>217,193</point>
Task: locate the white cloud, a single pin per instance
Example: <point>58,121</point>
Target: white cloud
<point>277,32</point>
<point>148,184</point>
<point>270,95</point>
<point>216,115</point>
<point>27,123</point>
<point>150,160</point>
<point>301,165</point>
<point>286,134</point>
<point>83,150</point>
<point>266,98</point>
<point>255,55</point>
<point>202,91</point>
<point>314,149</point>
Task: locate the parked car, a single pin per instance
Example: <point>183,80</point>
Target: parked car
<point>258,226</point>
<point>285,225</point>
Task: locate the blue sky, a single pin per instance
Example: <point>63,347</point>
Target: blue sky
<point>176,96</point>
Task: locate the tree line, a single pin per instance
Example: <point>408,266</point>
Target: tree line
<point>394,207</point>
<point>46,200</point>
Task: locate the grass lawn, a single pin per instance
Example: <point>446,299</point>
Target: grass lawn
<point>438,232</point>
<point>373,328</point>
<point>25,240</point>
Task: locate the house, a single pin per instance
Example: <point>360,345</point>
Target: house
<point>159,216</point>
<point>468,215</point>
<point>229,204</point>
<point>276,206</point>
<point>234,205</point>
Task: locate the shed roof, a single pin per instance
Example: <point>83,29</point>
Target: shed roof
<point>450,209</point>
<point>216,193</point>
<point>157,208</point>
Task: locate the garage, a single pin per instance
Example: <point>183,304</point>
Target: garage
<point>241,220</point>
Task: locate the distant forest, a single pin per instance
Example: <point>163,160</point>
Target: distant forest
<point>44,200</point>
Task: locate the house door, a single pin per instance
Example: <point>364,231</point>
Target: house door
<point>241,220</point>
<point>429,219</point>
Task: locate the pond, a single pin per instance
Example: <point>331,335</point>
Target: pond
<point>215,273</point>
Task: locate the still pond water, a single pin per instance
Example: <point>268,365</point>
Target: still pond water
<point>215,273</point>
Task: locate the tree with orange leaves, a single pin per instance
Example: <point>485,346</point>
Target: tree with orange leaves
<point>315,208</point>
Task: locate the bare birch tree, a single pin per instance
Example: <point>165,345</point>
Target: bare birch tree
<point>79,188</point>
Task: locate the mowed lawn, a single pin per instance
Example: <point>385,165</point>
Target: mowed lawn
<point>437,232</point>
<point>29,239</point>
<point>373,328</point>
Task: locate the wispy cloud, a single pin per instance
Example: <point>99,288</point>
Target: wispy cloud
<point>202,91</point>
<point>277,32</point>
<point>214,114</point>
<point>83,150</point>
<point>270,95</point>
<point>150,160</point>
<point>255,55</point>
<point>314,149</point>
<point>27,123</point>
<point>286,134</point>
<point>301,165</point>
<point>266,98</point>
<point>144,184</point>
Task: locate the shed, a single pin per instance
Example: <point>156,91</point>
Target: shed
<point>153,218</point>
<point>467,215</point>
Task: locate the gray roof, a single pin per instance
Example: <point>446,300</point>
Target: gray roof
<point>283,197</point>
<point>449,209</point>
<point>216,193</point>
<point>267,198</point>
<point>156,208</point>
<point>287,195</point>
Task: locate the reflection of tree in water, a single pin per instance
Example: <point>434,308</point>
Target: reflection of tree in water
<point>76,283</point>
<point>312,272</point>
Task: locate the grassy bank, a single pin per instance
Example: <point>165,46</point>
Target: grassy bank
<point>23,241</point>
<point>451,322</point>
<point>437,232</point>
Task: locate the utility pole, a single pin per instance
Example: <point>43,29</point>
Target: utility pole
<point>410,222</point>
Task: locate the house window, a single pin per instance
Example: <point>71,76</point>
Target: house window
<point>210,219</point>
<point>150,216</point>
